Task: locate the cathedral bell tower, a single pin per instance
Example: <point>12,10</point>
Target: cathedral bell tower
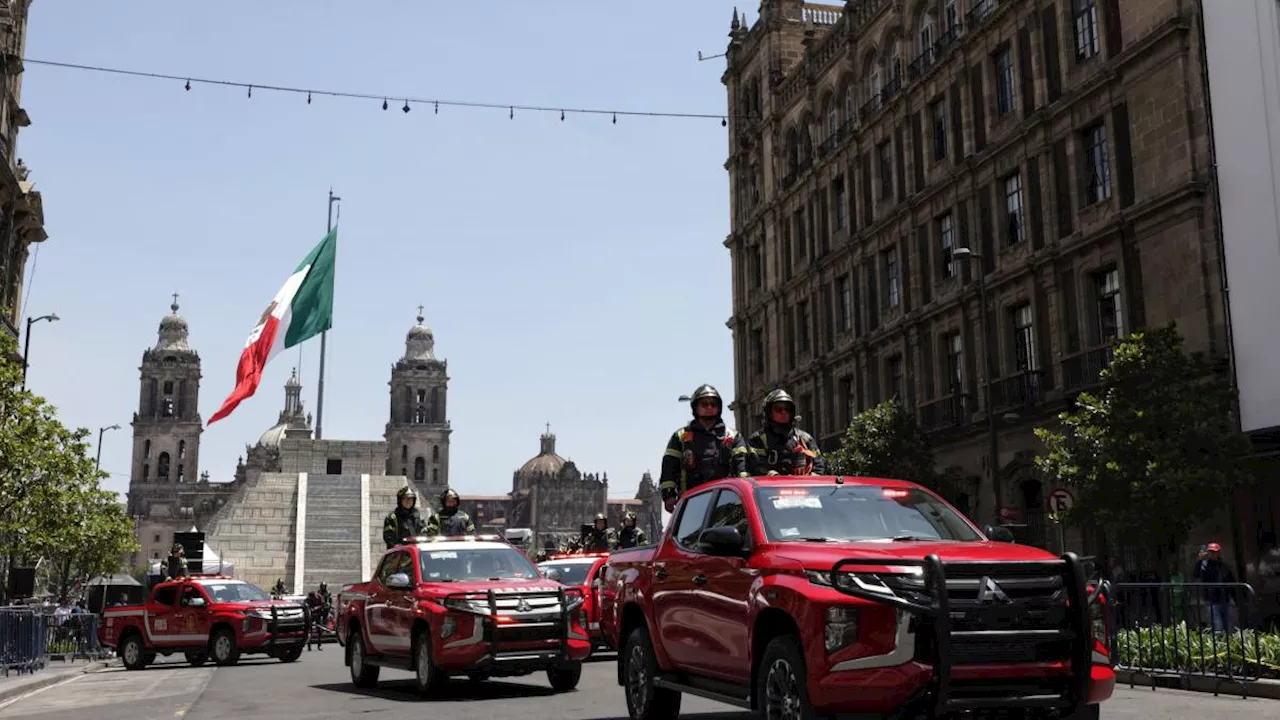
<point>418,431</point>
<point>167,425</point>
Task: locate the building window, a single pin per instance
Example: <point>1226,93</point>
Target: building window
<point>1006,94</point>
<point>182,473</point>
<point>1110,309</point>
<point>435,476</point>
<point>947,243</point>
<point>802,243</point>
<point>757,342</point>
<point>162,466</point>
<point>938,111</point>
<point>950,16</point>
<point>844,291</point>
<point>955,363</point>
<point>926,37</point>
<point>1024,341</point>
<point>886,170</point>
<point>146,449</point>
<point>893,376</point>
<point>802,312</point>
<point>333,466</point>
<point>404,453</point>
<point>833,116</point>
<point>1013,208</point>
<point>435,453</point>
<point>790,334</point>
<point>892,279</point>
<point>837,192</point>
<point>1086,29</point>
<point>757,267</point>
<point>1097,169</point>
<point>847,408</point>
<point>182,449</point>
<point>419,468</point>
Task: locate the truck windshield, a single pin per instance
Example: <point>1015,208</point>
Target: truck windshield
<point>836,513</point>
<point>230,592</point>
<point>571,573</point>
<point>460,564</point>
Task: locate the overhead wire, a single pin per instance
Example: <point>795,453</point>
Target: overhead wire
<point>407,100</point>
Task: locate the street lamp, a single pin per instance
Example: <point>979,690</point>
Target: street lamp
<point>26,347</point>
<point>993,427</point>
<point>98,463</point>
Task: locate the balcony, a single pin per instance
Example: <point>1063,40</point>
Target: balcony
<point>1082,371</point>
<point>945,412</point>
<point>1017,391</point>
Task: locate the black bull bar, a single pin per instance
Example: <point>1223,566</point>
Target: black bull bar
<point>568,601</point>
<point>934,606</point>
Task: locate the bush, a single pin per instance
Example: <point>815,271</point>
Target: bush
<point>1180,649</point>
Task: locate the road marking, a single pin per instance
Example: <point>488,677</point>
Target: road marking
<point>182,710</point>
<point>37,691</point>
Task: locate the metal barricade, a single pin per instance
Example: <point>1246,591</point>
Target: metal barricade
<point>22,640</point>
<point>72,636</point>
<point>1186,630</point>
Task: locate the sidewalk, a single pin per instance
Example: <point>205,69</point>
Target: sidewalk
<point>15,685</point>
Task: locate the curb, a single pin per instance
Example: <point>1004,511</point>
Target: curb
<point>47,676</point>
<point>1268,689</point>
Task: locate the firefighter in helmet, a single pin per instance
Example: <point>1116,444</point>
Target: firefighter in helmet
<point>175,566</point>
<point>702,451</point>
<point>450,519</point>
<point>600,537</point>
<point>630,536</point>
<point>781,448</point>
<point>405,521</point>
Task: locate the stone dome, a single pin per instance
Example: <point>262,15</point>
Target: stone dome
<point>546,461</point>
<point>419,342</point>
<point>273,435</point>
<point>173,333</point>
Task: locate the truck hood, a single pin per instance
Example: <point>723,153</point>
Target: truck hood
<point>263,605</point>
<point>822,556</point>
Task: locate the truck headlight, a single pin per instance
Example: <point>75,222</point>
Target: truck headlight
<point>448,626</point>
<point>841,627</point>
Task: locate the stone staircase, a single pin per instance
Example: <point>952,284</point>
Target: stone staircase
<point>334,545</point>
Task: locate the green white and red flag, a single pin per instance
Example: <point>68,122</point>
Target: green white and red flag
<point>301,310</point>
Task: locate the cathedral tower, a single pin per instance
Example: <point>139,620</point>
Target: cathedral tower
<point>418,431</point>
<point>167,425</point>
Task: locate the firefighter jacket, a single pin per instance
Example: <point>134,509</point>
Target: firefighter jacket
<point>400,524</point>
<point>174,567</point>
<point>785,450</point>
<point>599,540</point>
<point>629,537</point>
<point>696,454</point>
<point>450,521</point>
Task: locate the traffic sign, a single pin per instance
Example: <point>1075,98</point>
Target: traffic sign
<point>1061,500</point>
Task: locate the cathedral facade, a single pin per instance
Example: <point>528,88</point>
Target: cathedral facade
<point>306,510</point>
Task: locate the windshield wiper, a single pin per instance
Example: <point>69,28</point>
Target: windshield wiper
<point>813,539</point>
<point>911,538</point>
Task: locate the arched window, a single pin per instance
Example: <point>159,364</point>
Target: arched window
<point>926,36</point>
<point>162,467</point>
<point>832,112</point>
<point>146,471</point>
<point>404,453</point>
<point>146,449</point>
<point>182,449</point>
<point>419,469</point>
<point>435,453</point>
<point>435,476</point>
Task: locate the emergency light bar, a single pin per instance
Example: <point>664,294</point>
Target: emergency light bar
<point>456,538</point>
<point>572,555</point>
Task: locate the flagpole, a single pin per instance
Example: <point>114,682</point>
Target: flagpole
<point>320,384</point>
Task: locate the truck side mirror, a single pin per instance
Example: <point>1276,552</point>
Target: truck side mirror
<point>398,581</point>
<point>721,541</point>
<point>998,533</point>
<point>195,602</point>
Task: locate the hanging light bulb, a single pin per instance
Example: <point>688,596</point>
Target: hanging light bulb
<point>724,122</point>
<point>406,106</point>
<point>384,103</point>
<point>615,118</point>
<point>251,92</point>
<point>437,107</point>
<point>308,97</point>
<point>561,116</point>
<point>188,85</point>
<point>512,115</point>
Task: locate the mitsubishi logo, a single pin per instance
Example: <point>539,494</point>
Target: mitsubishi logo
<point>523,605</point>
<point>989,592</point>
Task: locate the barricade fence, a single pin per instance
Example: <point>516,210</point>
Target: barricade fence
<point>31,637</point>
<point>1184,630</point>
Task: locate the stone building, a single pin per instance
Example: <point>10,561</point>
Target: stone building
<point>21,206</point>
<point>1063,142</point>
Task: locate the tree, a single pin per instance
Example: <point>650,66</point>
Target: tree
<point>1158,450</point>
<point>885,441</point>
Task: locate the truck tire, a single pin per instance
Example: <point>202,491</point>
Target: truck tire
<point>223,649</point>
<point>427,678</point>
<point>781,686</point>
<point>363,675</point>
<point>645,701</point>
<point>564,678</point>
<point>290,655</point>
<point>132,653</point>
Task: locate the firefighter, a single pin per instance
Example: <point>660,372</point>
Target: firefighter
<point>600,537</point>
<point>405,521</point>
<point>630,536</point>
<point>702,451</point>
<point>175,566</point>
<point>450,519</point>
<point>781,448</point>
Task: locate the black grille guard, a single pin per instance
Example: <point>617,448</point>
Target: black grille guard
<point>569,598</point>
<point>937,609</point>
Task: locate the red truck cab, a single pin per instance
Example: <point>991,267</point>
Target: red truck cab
<point>203,617</point>
<point>814,596</point>
<point>582,571</point>
<point>474,606</point>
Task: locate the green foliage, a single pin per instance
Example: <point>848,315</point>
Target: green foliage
<point>52,506</point>
<point>1181,649</point>
<point>1158,450</point>
<point>885,442</point>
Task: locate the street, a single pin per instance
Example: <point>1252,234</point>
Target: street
<point>318,686</point>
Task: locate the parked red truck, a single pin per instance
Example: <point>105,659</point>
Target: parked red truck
<point>204,617</point>
<point>810,596</point>
<point>472,606</point>
<point>582,571</point>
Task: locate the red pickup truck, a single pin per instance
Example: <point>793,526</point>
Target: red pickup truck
<point>812,596</point>
<point>202,617</point>
<point>472,606</point>
<point>583,571</point>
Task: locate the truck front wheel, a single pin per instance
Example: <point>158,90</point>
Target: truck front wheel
<point>645,700</point>
<point>781,687</point>
<point>363,675</point>
<point>564,678</point>
<point>132,653</point>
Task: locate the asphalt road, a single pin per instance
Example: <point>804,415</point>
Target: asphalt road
<point>318,686</point>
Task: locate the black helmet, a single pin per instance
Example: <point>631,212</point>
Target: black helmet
<point>778,396</point>
<point>406,492</point>
<point>704,391</point>
<point>601,516</point>
<point>177,548</point>
<point>629,515</point>
<point>448,493</point>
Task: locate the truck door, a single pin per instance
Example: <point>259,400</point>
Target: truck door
<point>719,610</point>
<point>158,615</point>
<point>191,620</point>
<point>673,588</point>
<point>377,619</point>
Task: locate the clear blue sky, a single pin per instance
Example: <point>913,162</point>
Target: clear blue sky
<point>573,272</point>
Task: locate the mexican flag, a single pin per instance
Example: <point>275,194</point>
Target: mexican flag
<point>301,310</point>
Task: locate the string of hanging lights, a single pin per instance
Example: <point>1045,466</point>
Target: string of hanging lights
<point>408,101</point>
